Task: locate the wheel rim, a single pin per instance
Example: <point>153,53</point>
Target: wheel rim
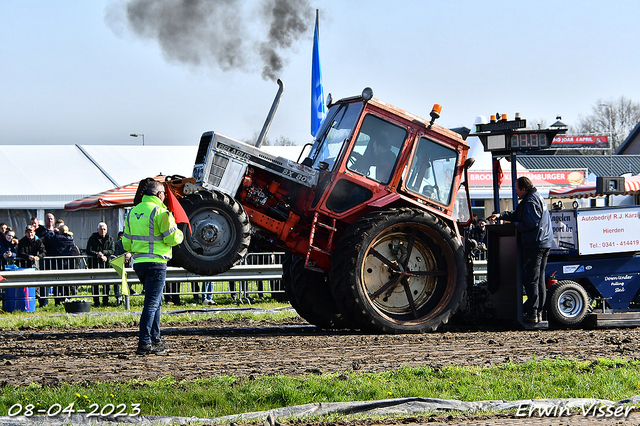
<point>570,303</point>
<point>213,234</point>
<point>401,274</point>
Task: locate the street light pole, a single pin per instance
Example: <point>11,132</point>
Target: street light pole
<point>608,106</point>
<point>135,135</point>
<point>609,199</point>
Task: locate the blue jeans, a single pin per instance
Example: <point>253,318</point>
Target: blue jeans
<point>152,276</point>
<point>207,288</point>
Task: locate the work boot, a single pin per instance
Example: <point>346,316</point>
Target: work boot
<point>159,348</point>
<point>143,349</point>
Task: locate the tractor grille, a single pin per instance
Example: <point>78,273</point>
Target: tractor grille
<point>203,147</point>
<point>218,167</point>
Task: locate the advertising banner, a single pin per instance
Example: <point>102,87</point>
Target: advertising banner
<point>539,178</point>
<point>563,224</point>
<point>580,142</point>
<point>608,230</point>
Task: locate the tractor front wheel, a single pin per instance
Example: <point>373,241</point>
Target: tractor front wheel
<point>219,237</point>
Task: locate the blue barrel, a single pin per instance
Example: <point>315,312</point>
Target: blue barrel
<point>21,299</point>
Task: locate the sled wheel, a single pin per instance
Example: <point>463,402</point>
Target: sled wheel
<point>220,233</point>
<point>310,295</point>
<point>568,304</point>
<point>399,271</point>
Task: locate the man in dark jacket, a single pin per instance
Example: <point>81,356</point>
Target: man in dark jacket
<point>100,248</point>
<point>32,251</point>
<point>30,248</point>
<point>533,223</point>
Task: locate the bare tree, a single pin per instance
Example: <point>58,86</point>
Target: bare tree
<point>280,141</point>
<point>537,124</point>
<point>615,118</point>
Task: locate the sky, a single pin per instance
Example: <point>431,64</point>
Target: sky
<point>94,72</point>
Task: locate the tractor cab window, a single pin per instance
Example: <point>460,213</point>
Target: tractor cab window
<point>431,171</point>
<point>334,131</point>
<point>376,149</point>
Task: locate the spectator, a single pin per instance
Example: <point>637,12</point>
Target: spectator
<point>58,244</point>
<point>119,251</point>
<point>30,248</point>
<point>207,295</point>
<point>100,248</point>
<point>32,251</point>
<point>3,228</point>
<point>242,290</point>
<point>8,247</point>
<point>38,228</point>
<point>479,235</point>
<point>195,289</point>
<point>46,234</point>
<point>172,293</point>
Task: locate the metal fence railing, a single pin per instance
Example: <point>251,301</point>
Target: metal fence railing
<point>70,277</point>
<point>258,274</point>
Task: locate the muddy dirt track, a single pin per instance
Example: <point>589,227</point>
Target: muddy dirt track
<point>244,348</point>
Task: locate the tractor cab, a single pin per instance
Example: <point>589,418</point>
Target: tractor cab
<point>372,155</point>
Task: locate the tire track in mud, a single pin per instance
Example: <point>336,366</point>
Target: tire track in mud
<point>198,351</point>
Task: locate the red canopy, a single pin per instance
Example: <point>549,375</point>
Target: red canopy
<point>113,198</point>
<point>631,186</point>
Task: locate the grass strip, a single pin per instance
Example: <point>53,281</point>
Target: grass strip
<point>55,316</point>
<point>612,379</point>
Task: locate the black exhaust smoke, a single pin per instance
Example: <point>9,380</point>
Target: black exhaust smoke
<point>229,34</point>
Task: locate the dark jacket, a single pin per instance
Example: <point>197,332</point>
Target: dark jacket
<point>41,231</point>
<point>59,244</point>
<point>479,234</point>
<point>28,247</point>
<point>96,244</point>
<point>6,246</point>
<point>532,220</point>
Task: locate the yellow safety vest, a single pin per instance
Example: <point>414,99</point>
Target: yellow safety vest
<point>150,231</point>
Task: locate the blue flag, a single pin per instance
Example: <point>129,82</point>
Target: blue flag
<point>318,110</point>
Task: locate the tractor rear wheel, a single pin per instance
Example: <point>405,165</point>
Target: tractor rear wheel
<point>220,233</point>
<point>399,271</point>
<point>309,293</point>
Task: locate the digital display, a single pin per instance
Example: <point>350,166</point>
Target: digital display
<point>526,141</point>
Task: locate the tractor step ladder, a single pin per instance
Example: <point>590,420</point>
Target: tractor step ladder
<point>316,226</point>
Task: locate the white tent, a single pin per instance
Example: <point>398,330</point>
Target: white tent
<point>43,178</point>
<point>49,176</point>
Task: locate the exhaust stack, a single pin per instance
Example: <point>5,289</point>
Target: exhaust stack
<point>272,112</point>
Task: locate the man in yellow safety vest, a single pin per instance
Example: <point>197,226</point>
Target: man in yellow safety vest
<point>149,233</point>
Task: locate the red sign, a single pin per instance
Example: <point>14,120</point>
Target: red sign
<point>539,178</point>
<point>573,142</point>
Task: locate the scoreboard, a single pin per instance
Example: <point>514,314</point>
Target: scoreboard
<point>529,141</point>
<point>503,136</point>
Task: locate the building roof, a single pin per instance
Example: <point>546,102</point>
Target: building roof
<point>599,165</point>
<point>630,144</point>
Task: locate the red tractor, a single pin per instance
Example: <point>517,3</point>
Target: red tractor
<point>369,219</point>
